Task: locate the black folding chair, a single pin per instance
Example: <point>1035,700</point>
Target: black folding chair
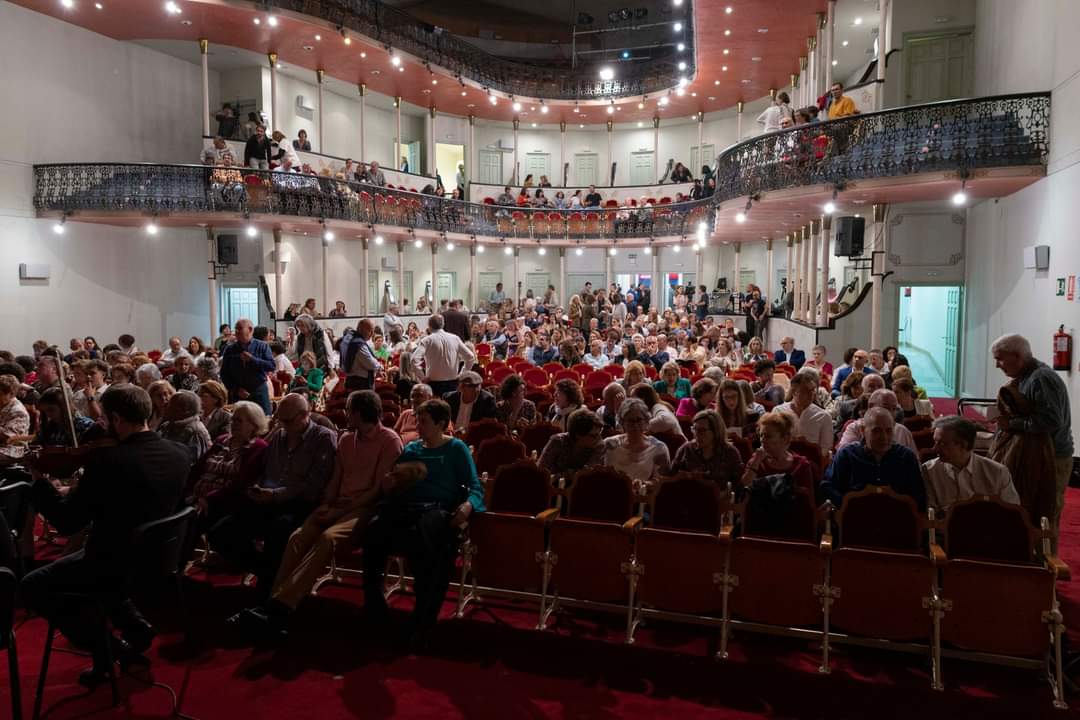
<point>8,585</point>
<point>14,508</point>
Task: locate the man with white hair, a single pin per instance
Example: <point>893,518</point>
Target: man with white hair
<point>1048,396</point>
<point>853,432</point>
<point>957,473</point>
<point>877,460</point>
<point>442,355</point>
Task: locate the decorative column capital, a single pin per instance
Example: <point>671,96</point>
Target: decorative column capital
<point>738,248</point>
<point>472,250</point>
<point>656,122</point>
<point>790,239</point>
<point>400,246</point>
<point>811,43</point>
<point>434,248</point>
<point>204,46</point>
<point>822,19</point>
<point>701,116</point>
<point>768,245</point>
<point>272,57</point>
<point>805,232</point>
<point>794,80</point>
<point>739,105</point>
<point>431,111</point>
<point>362,87</point>
<point>364,243</point>
<point>472,120</point>
<point>815,227</point>
<point>610,125</point>
<point>397,102</point>
<point>562,252</point>
<point>319,73</point>
<point>802,62</point>
<point>826,223</point>
<point>516,123</point>
<point>517,251</point>
<point>879,213</point>
<point>562,126</point>
<point>772,93</point>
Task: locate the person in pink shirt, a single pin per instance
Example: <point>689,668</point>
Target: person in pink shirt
<point>365,454</point>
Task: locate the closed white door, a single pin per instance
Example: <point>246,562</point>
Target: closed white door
<point>697,159</point>
<point>538,283</point>
<point>939,67</point>
<point>642,168</point>
<point>373,291</point>
<point>490,167</point>
<point>241,302</point>
<point>444,289</point>
<point>586,169</point>
<point>537,164</point>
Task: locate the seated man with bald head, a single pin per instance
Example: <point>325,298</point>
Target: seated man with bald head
<point>877,460</point>
<point>358,356</point>
<point>298,463</point>
<point>882,398</point>
<point>183,424</point>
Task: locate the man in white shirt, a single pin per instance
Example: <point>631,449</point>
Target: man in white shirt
<point>176,349</point>
<point>596,358</point>
<point>442,355</point>
<point>958,473</point>
<point>853,432</point>
<point>812,423</point>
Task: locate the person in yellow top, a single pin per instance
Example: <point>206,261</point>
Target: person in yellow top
<point>841,105</point>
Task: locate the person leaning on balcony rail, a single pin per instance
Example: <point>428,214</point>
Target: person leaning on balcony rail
<point>257,150</point>
<point>840,105</point>
<point>681,174</point>
<point>213,154</point>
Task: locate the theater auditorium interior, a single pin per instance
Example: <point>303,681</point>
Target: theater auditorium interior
<point>582,359</point>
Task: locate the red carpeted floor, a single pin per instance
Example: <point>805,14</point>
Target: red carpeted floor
<point>493,665</point>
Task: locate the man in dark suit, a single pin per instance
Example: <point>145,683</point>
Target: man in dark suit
<point>469,403</point>
<point>139,480</point>
<point>788,354</point>
<point>456,322</point>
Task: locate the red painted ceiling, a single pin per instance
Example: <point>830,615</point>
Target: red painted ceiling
<point>788,24</point>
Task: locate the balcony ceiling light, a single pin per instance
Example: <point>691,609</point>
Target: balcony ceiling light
<point>395,61</point>
<point>517,107</point>
<point>677,27</point>
<point>858,21</point>
<point>271,21</point>
<point>607,73</point>
<point>729,10</point>
<point>172,8</point>
<point>449,247</point>
<point>479,249</point>
<point>68,4</point>
<point>680,47</point>
<point>508,250</point>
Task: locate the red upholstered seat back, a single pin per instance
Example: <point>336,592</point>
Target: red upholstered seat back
<point>877,517</point>
<point>988,529</point>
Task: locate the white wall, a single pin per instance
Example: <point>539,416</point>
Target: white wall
<point>89,98</point>
<point>1003,296</point>
<point>931,16</point>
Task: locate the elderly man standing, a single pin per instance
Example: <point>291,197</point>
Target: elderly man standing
<point>358,359</point>
<point>244,365</point>
<point>299,460</point>
<point>877,460</point>
<point>1049,402</point>
<point>442,355</point>
<point>365,454</point>
<point>957,473</point>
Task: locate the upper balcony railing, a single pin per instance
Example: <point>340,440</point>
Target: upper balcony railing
<point>961,135</point>
<point>951,135</point>
<point>401,31</point>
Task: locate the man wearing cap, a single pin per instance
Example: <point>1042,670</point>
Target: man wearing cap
<point>469,403</point>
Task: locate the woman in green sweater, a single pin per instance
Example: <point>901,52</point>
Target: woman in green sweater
<point>671,382</point>
<point>308,378</point>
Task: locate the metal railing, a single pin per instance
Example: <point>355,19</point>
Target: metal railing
<point>401,31</point>
<point>150,188</point>
<point>952,135</point>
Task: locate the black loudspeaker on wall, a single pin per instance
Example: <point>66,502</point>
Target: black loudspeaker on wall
<point>849,236</point>
<point>228,249</point>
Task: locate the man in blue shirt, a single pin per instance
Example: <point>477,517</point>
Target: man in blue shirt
<point>788,354</point>
<point>877,460</point>
<point>543,353</point>
<point>244,365</point>
<point>858,364</point>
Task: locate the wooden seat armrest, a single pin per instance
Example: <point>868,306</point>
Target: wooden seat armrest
<point>1058,568</point>
<point>725,534</point>
<point>633,524</point>
<point>937,555</point>
<point>826,544</point>
<point>547,516</point>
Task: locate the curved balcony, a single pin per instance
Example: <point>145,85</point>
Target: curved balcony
<point>402,31</point>
<point>996,144</point>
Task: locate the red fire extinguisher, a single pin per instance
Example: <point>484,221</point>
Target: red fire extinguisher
<point>1062,349</point>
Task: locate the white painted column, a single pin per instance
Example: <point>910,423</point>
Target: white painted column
<point>319,128</point>
<point>654,275</point>
<point>738,119</point>
<point>830,39</point>
<point>271,122</point>
<point>803,81</point>
<point>279,306</point>
<point>562,154</point>
<point>826,242</point>
<point>610,154</point>
<point>700,143</point>
<point>699,268</point>
<point>883,51</point>
<point>471,169</point>
<point>395,158</point>
<point>812,271</point>
<point>516,294</point>
<point>562,278</point>
<point>811,67</point>
<point>736,284</point>
<point>514,169</point>
<point>325,273</point>
<point>656,142</point>
<point>400,270</point>
<point>608,270</point>
<point>804,274</point>
<point>790,261</point>
<point>211,277</point>
<point>431,169</point>
<point>204,49</point>
<point>770,270</point>
<point>877,244</point>
<point>365,292</point>
<point>473,290</point>
<point>434,273</point>
<point>363,147</point>
<point>793,274</point>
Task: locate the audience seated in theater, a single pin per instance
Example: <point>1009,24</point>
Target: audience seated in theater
<point>702,397</point>
<point>755,352</point>
<point>14,421</point>
<point>309,378</point>
<point>513,409</point>
<point>208,368</point>
<point>469,403</point>
<point>853,431</point>
<point>184,378</point>
<point>88,385</point>
<point>858,364</point>
<point>406,422</point>
<point>506,198</point>
<point>139,480</point>
<point>567,398</point>
<point>788,354</point>
<point>612,400</point>
<point>53,429</point>
<point>904,372</point>
<point>766,392</point>
<point>299,460</point>
<point>365,454</point>
<point>672,383</point>
<point>843,407</point>
<point>596,358</point>
<point>176,350</point>
<point>642,457</point>
<point>213,399</point>
<point>726,357</point>
<point>567,452</point>
<point>710,452</point>
<point>431,493</point>
<point>877,460</point>
<point>182,424</point>
<point>160,392</point>
<point>776,431</point>
<point>661,417</point>
<point>732,410</point>
<point>908,403</point>
<point>122,374</point>
<point>811,422</point>
<point>876,361</point>
<point>957,473</point>
<point>819,361</point>
<point>232,464</point>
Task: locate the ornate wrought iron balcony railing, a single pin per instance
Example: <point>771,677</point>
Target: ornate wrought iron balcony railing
<point>402,31</point>
<point>952,135</point>
<point>961,135</point>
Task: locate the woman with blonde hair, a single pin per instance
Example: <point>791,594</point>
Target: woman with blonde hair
<point>634,374</point>
<point>160,391</point>
<point>776,430</point>
<point>671,382</point>
<point>755,351</point>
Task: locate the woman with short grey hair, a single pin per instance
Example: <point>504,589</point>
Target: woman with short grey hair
<point>640,456</point>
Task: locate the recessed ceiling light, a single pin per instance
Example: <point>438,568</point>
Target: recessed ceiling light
<point>727,33</point>
<point>640,124</point>
<point>418,243</point>
<point>745,82</point>
<point>541,251</point>
<point>676,3</point>
<point>582,125</point>
<point>252,231</point>
<point>858,21</point>
<point>756,58</point>
<point>724,69</point>
<point>464,93</point>
<point>835,63</point>
<point>308,48</point>
<point>172,8</point>
<point>729,10</point>
<point>401,69</point>
<point>257,21</point>
<point>348,41</point>
<point>271,21</point>
<point>578,251</point>
<point>532,108</point>
<point>675,249</point>
<point>378,239</point>
<point>641,106</point>
<point>680,47</point>
<point>185,23</point>
<point>611,110</point>
<point>763,30</point>
<point>517,107</point>
<point>607,73</point>
<point>726,51</point>
<point>68,4</point>
<point>278,66</point>
<point>662,101</point>
<point>479,249</point>
<point>712,97</point>
<point>493,100</point>
<point>534,124</point>
<point>678,27</point>
<point>99,6</point>
<point>450,247</point>
<point>395,61</point>
<point>740,217</point>
<point>682,66</point>
<point>318,38</point>
<point>508,250</point>
<point>845,43</point>
<point>151,228</point>
<point>363,55</point>
<point>680,92</point>
<point>376,72</point>
<point>543,109</point>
